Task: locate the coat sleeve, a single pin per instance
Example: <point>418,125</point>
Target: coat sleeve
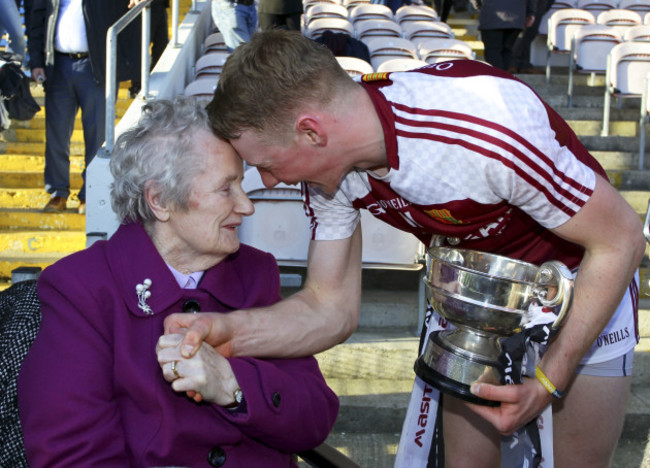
<point>288,403</point>
<point>66,401</point>
<point>36,31</point>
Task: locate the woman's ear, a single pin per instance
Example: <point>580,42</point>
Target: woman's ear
<point>152,194</point>
<point>311,127</point>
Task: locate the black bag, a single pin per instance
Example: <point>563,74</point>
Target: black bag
<point>343,45</point>
<point>15,92</point>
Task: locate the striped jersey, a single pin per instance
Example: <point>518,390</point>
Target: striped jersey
<point>475,156</point>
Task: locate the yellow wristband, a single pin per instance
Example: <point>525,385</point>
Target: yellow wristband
<point>548,385</point>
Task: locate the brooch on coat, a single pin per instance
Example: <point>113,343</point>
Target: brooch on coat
<point>143,294</point>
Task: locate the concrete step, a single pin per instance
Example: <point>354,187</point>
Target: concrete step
<point>37,135</point>
<point>13,260</point>
<point>631,180</point>
<point>14,147</point>
<point>26,171</point>
<point>585,95</point>
<point>38,92</point>
<point>617,160</point>
<point>378,450</point>
<point>24,179</point>
<point>31,199</point>
<point>638,199</point>
<point>38,242</point>
<point>36,219</point>
<point>38,122</point>
<point>575,113</point>
<point>619,128</point>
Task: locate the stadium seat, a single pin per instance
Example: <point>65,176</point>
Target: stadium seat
<point>380,27</point>
<point>400,64</point>
<point>562,24</point>
<point>620,19</point>
<point>370,11</point>
<point>640,33</point>
<point>589,49</point>
<point>354,66</point>
<point>386,48</point>
<point>440,49</point>
<point>628,64</point>
<point>419,31</point>
<point>317,27</point>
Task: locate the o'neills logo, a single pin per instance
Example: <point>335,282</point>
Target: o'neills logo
<point>612,338</point>
<point>380,207</point>
<point>424,414</point>
<point>444,216</point>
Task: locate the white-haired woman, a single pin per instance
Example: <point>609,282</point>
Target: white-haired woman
<point>94,389</point>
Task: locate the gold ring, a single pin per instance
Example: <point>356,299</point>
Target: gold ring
<point>174,370</point>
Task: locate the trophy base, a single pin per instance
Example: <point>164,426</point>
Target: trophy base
<point>449,386</point>
<point>452,368</point>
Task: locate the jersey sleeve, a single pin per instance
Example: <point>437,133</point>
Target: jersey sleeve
<point>332,217</point>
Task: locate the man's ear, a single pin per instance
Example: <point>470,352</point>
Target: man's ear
<point>152,194</point>
<point>311,127</point>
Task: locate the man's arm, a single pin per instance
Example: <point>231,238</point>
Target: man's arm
<point>611,234</point>
<point>322,314</point>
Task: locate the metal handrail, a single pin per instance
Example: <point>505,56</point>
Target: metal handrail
<point>143,8</point>
<point>175,19</point>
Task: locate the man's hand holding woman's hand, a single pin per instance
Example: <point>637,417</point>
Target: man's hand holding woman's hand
<point>208,327</point>
<point>206,375</point>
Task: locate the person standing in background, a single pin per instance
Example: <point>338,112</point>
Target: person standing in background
<point>159,37</point>
<point>236,20</point>
<point>284,14</point>
<point>67,49</point>
<point>500,22</point>
<point>10,22</point>
<point>521,54</point>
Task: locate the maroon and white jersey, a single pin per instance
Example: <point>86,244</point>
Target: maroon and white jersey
<point>475,156</point>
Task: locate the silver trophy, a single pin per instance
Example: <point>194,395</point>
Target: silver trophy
<point>487,297</point>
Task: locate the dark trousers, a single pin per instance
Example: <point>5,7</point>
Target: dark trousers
<point>443,7</point>
<point>498,45</point>
<point>289,21</point>
<point>71,87</point>
<point>159,31</point>
<point>521,51</point>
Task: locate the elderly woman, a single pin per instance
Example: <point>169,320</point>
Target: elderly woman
<point>94,388</point>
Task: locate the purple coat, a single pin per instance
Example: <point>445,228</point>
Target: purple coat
<point>91,392</point>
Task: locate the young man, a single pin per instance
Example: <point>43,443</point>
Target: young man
<point>460,151</point>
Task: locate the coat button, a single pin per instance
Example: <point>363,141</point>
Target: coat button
<point>277,399</point>
<point>191,307</point>
<point>217,456</point>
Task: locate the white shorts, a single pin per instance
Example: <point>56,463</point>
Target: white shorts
<point>618,367</point>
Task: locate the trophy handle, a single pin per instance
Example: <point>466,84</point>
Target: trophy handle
<point>564,296</point>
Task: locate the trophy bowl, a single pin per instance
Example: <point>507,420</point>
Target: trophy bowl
<point>486,297</point>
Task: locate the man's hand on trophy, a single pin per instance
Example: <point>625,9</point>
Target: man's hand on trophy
<point>520,404</point>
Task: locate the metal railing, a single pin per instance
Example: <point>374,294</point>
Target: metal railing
<point>143,8</point>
